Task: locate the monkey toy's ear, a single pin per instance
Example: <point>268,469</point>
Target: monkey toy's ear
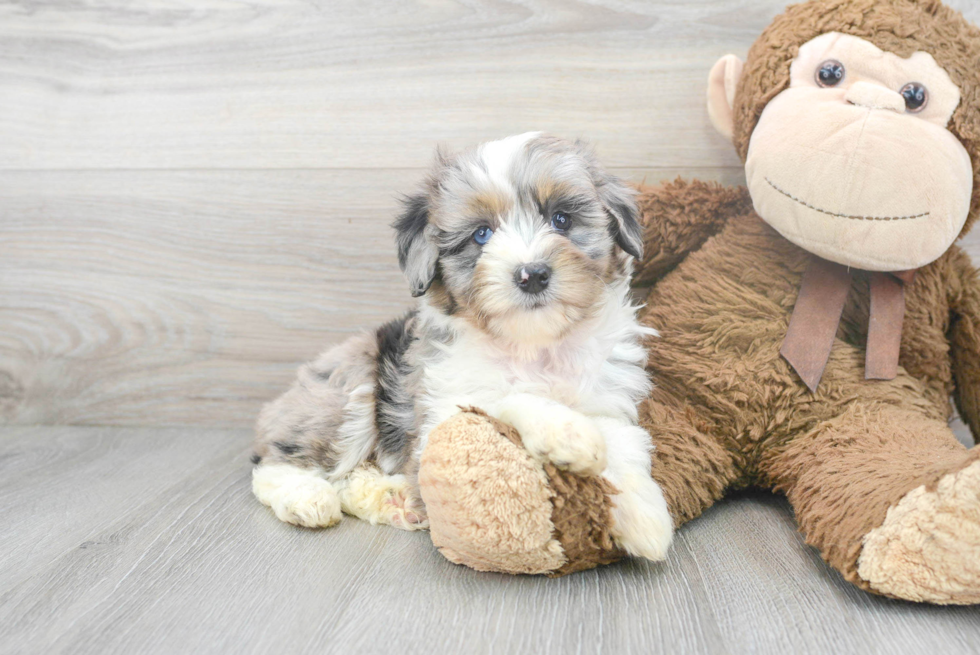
<point>722,82</point>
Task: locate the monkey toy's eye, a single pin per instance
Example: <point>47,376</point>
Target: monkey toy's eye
<point>482,235</point>
<point>560,222</point>
<point>916,97</point>
<point>830,73</point>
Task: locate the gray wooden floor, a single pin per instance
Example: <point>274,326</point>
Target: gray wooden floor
<point>127,540</point>
<point>195,197</point>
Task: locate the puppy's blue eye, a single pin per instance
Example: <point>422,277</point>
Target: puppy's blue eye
<point>482,235</point>
<point>560,222</point>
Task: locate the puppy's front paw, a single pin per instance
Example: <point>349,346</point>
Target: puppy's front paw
<point>565,438</point>
<point>642,524</point>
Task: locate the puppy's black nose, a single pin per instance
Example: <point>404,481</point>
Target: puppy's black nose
<point>533,278</point>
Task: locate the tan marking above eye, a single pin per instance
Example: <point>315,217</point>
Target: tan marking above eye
<point>489,204</point>
<point>548,189</point>
<point>839,215</point>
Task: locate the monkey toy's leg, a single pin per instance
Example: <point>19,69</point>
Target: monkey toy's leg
<point>887,494</point>
<point>692,468</point>
<point>494,507</point>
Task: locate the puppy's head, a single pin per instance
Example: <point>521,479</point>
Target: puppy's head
<point>519,236</point>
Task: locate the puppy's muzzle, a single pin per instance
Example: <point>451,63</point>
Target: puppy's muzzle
<point>533,278</point>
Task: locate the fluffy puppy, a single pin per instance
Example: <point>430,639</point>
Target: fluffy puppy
<point>520,252</point>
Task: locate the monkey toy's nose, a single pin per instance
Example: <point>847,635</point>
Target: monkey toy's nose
<point>533,278</point>
<point>874,96</point>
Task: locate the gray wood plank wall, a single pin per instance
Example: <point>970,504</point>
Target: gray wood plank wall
<point>195,196</point>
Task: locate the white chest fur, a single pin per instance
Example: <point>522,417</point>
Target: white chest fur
<point>597,370</point>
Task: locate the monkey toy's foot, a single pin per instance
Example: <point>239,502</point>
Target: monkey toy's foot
<point>494,507</point>
<point>928,548</point>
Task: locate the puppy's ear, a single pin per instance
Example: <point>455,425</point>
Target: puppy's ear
<point>618,200</point>
<point>620,203</point>
<point>417,250</point>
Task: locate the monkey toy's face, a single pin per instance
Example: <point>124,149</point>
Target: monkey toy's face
<point>853,161</point>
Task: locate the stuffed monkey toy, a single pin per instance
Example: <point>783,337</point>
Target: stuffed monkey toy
<point>813,326</point>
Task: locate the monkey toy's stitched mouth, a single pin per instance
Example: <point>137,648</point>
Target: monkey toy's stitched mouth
<point>849,216</point>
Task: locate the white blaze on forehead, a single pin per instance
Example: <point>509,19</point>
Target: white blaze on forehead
<point>498,157</point>
<point>496,170</point>
<point>516,243</point>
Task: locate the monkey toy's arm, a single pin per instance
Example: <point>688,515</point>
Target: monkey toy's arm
<point>678,217</point>
<point>964,338</point>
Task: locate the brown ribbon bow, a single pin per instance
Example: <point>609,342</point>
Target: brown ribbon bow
<point>813,325</point>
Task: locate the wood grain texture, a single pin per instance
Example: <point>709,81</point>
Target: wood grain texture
<point>192,563</point>
<point>341,84</point>
<point>194,196</point>
<point>81,481</point>
<point>189,297</point>
<point>365,83</point>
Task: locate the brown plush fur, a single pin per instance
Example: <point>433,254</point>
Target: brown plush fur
<point>857,458</point>
<point>581,511</point>
<point>728,411</point>
<point>489,503</point>
<point>583,520</point>
<point>494,508</point>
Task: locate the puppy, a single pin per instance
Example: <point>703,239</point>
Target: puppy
<point>520,253</point>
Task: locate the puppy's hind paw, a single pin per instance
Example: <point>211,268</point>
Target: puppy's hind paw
<point>403,515</point>
<point>297,496</point>
<point>382,499</point>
